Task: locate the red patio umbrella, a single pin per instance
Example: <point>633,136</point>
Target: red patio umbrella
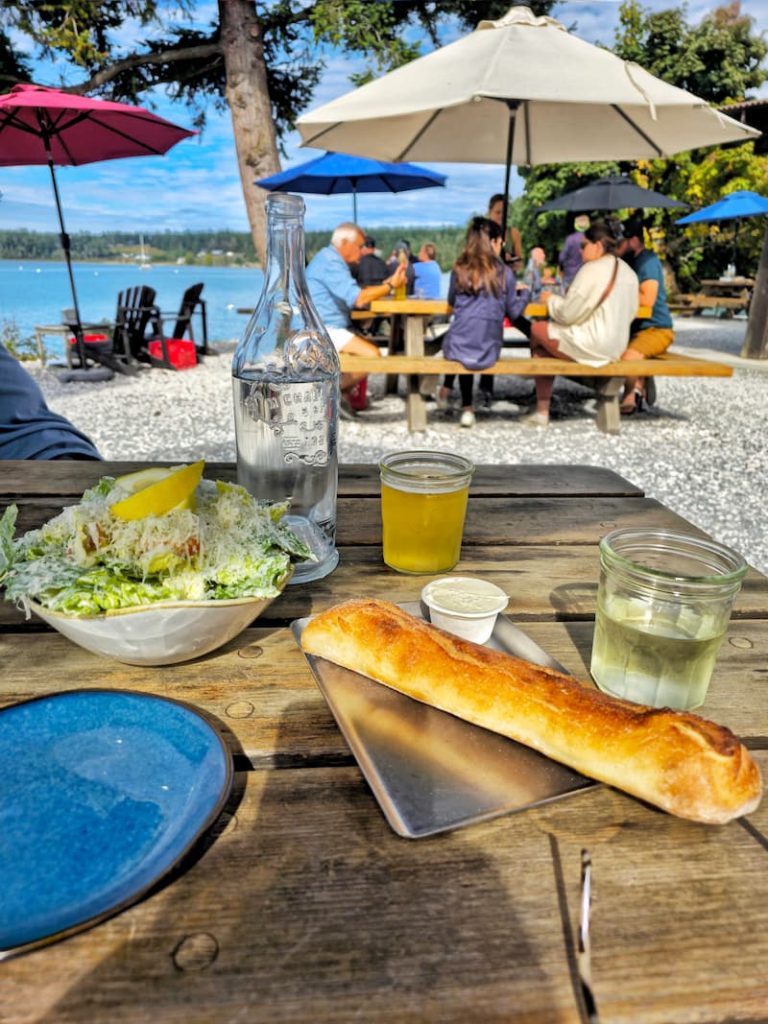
<point>47,126</point>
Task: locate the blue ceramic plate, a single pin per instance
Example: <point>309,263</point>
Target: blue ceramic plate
<point>102,793</point>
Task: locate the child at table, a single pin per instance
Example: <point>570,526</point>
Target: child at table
<point>482,291</point>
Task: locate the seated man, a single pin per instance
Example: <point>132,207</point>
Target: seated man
<point>651,336</point>
<point>335,294</point>
<point>28,428</point>
<point>370,268</point>
<point>427,277</point>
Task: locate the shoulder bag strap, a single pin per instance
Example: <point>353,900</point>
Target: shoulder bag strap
<point>609,286</point>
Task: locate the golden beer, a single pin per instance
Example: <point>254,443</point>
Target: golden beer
<point>423,505</point>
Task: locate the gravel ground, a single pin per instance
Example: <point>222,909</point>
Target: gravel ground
<point>700,450</point>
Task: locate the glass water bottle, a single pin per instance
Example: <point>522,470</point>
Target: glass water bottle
<point>285,377</point>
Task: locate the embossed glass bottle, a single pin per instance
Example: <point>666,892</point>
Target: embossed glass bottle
<point>285,377</point>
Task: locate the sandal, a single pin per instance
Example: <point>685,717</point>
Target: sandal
<point>636,405</point>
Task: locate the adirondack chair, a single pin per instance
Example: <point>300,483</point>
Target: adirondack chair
<point>136,309</point>
<point>122,345</point>
<point>172,350</point>
<point>184,325</point>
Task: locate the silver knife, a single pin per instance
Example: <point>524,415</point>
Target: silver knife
<point>584,951</point>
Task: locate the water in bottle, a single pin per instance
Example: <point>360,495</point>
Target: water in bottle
<point>285,376</point>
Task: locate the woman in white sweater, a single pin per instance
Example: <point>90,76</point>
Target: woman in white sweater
<point>590,323</point>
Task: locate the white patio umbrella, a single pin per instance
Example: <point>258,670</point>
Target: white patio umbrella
<point>520,90</point>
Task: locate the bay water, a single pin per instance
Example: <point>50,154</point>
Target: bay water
<point>36,292</point>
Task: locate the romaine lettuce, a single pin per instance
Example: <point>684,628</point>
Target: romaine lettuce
<point>86,561</point>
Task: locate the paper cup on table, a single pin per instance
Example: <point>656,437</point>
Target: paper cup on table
<point>464,606</point>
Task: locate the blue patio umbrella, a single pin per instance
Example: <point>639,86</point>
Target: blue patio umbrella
<point>340,174</point>
<point>732,206</point>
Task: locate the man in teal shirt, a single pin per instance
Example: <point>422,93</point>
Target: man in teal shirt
<point>335,293</point>
<point>652,335</point>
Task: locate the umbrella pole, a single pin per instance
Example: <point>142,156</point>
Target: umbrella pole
<point>64,237</point>
<point>508,170</point>
<point>354,205</point>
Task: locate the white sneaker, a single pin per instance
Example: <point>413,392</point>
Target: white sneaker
<point>534,419</point>
<point>467,418</point>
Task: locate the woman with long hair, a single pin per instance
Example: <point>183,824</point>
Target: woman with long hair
<point>513,243</point>
<point>482,292</point>
<point>590,324</point>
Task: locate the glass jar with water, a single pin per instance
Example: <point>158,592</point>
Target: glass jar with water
<point>663,606</point>
<point>285,377</point>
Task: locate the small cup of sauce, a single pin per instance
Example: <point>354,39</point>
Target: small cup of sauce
<point>464,606</point>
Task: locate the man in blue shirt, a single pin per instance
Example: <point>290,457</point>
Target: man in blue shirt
<point>654,334</point>
<point>335,294</point>
<point>427,273</point>
<point>28,428</point>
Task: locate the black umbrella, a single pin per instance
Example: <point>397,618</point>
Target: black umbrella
<point>616,192</point>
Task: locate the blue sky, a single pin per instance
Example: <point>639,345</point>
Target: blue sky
<point>197,185</point>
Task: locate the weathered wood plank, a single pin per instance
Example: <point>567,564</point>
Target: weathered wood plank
<point>543,582</point>
<point>531,366</point>
<point>259,688</point>
<point>70,479</point>
<point>490,520</point>
<point>306,907</point>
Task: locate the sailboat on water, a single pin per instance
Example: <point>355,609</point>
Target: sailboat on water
<point>144,262</point>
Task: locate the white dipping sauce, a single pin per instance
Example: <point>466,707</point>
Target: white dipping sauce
<point>467,596</point>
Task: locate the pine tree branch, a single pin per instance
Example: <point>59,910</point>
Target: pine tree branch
<point>105,75</point>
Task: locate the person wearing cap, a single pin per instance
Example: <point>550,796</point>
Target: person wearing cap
<point>370,268</point>
<point>335,293</point>
<point>650,336</point>
<point>570,259</point>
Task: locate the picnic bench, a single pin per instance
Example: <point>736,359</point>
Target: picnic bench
<point>730,294</point>
<point>607,381</point>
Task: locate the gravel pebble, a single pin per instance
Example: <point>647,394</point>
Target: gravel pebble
<point>700,450</point>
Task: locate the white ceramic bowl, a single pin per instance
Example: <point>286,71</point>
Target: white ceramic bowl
<point>161,634</point>
<point>464,606</point>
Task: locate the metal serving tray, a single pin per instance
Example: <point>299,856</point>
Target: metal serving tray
<point>429,770</point>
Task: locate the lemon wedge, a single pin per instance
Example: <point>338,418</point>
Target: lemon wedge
<point>155,491</point>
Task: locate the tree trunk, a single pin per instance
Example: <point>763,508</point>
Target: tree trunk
<point>247,94</point>
<point>756,340</point>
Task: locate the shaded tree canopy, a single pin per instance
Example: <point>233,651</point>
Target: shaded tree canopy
<point>189,62</point>
<point>721,59</point>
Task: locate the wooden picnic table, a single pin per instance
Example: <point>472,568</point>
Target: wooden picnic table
<point>411,316</point>
<point>729,294</point>
<point>302,905</point>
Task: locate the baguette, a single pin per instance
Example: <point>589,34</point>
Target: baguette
<point>675,760</point>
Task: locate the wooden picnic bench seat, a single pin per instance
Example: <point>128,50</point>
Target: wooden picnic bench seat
<point>607,380</point>
<point>693,304</point>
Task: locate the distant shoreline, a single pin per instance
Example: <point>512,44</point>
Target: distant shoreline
<point>129,263</point>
